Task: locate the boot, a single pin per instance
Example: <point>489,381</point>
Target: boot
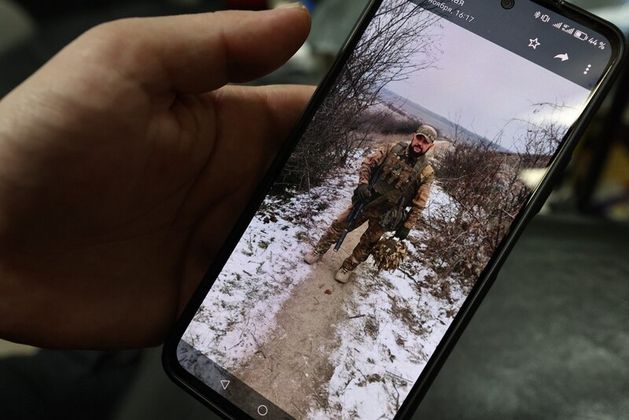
<point>312,257</point>
<point>343,275</point>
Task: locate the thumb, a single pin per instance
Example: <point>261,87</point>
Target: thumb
<point>199,53</point>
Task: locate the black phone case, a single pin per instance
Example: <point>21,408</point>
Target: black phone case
<point>228,410</point>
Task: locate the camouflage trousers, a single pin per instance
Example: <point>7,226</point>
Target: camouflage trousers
<point>367,241</point>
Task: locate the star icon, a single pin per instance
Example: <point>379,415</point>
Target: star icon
<point>534,43</point>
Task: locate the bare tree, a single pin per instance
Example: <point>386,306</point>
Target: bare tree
<point>487,195</point>
<point>396,44</point>
<point>544,135</point>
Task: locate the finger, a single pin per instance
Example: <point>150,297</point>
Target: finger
<point>200,53</point>
<point>266,116</point>
<point>253,123</point>
<point>271,114</point>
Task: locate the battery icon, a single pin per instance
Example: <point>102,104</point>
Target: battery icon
<point>581,35</point>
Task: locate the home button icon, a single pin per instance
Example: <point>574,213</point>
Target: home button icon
<point>263,410</point>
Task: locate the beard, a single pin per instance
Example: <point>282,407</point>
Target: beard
<point>414,154</point>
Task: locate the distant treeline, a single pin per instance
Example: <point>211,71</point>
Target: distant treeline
<point>384,122</point>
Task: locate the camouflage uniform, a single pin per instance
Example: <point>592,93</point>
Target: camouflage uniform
<point>400,180</point>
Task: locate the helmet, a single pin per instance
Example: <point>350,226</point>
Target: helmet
<point>427,131</point>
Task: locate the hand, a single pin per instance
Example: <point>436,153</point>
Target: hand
<point>362,193</point>
<point>124,163</point>
<point>402,232</point>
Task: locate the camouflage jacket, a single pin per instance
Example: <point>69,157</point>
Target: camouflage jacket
<point>413,178</point>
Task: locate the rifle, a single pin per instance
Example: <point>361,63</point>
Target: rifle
<point>357,210</point>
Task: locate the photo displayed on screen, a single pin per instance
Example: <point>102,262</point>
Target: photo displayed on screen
<point>402,187</point>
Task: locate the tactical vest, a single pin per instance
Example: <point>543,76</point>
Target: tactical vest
<point>397,177</point>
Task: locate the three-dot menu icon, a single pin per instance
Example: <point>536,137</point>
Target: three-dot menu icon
<point>587,69</point>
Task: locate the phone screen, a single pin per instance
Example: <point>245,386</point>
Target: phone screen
<point>394,200</point>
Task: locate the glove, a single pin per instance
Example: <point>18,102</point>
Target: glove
<point>402,232</point>
<point>361,193</point>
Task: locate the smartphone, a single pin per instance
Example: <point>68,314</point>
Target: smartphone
<point>382,223</point>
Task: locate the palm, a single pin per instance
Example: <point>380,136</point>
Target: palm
<point>129,191</point>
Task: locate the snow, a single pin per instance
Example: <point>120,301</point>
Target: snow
<point>237,315</point>
<point>383,351</point>
<point>393,321</point>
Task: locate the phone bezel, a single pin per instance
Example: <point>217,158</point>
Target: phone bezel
<point>227,409</point>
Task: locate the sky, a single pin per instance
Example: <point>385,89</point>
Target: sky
<point>484,86</point>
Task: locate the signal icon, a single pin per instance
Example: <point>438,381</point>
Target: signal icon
<point>558,25</point>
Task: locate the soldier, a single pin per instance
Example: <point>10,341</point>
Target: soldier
<point>392,178</point>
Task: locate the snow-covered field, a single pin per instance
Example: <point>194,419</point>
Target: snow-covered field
<point>237,315</point>
<point>394,325</point>
<point>393,322</point>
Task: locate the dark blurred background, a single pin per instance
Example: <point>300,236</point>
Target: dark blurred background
<point>550,341</point>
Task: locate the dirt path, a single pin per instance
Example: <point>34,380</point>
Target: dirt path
<point>293,366</point>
